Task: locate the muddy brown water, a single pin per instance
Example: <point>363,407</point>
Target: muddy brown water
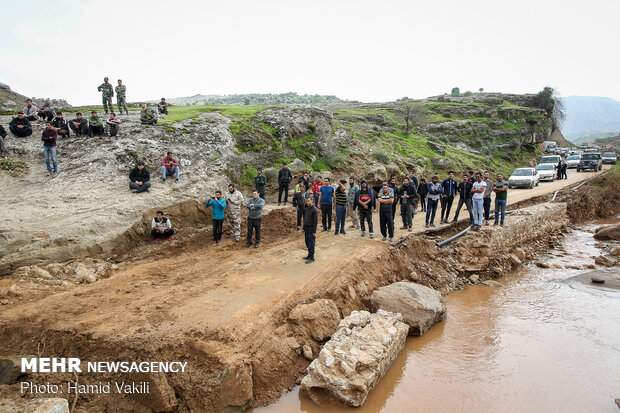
<point>540,344</point>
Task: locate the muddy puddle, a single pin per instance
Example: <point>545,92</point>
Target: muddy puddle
<point>542,343</point>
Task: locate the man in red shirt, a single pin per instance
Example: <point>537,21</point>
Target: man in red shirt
<point>169,167</point>
<point>316,189</point>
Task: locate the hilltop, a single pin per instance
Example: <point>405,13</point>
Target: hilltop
<point>590,117</point>
<point>12,102</point>
<point>253,99</point>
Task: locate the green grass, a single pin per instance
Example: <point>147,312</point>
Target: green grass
<point>247,175</point>
<point>180,113</point>
<point>12,165</point>
<point>302,150</point>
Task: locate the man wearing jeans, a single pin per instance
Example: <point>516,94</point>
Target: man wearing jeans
<point>49,145</point>
<point>169,167</point>
<point>477,190</point>
<point>340,200</point>
<point>501,195</point>
<point>435,191</point>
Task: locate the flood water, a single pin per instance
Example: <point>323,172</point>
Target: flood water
<point>540,344</point>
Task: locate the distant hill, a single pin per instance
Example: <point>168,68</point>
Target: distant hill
<point>590,117</point>
<point>12,102</point>
<point>252,99</point>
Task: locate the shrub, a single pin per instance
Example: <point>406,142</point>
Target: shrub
<point>381,157</point>
<point>455,92</point>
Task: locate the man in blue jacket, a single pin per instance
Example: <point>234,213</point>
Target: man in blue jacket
<point>435,191</point>
<point>364,204</point>
<point>449,191</point>
<point>219,205</point>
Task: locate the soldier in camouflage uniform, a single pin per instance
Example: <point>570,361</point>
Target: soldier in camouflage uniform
<point>234,199</point>
<point>120,97</point>
<point>108,93</point>
<point>260,181</point>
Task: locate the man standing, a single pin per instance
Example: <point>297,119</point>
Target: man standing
<point>558,169</point>
<point>500,187</point>
<point>120,97</point>
<point>340,199</point>
<point>478,199</point>
<point>353,188</point>
<point>284,180</point>
<point>260,181</point>
<point>95,125</point>
<point>49,137</point>
<point>46,113</point>
<point>112,125</point>
<point>20,126</point>
<point>299,202</point>
<point>394,189</point>
<point>148,116</point>
<point>407,194</point>
<point>79,125</point>
<point>2,137</point>
<point>435,191</point>
<point>106,93</point>
<point>422,193</point>
<point>486,200</point>
<point>30,111</point>
<point>316,189</point>
<point>449,190</point>
<point>364,204</point>
<point>169,167</point>
<point>326,201</point>
<point>161,227</point>
<point>234,199</point>
<point>564,168</point>
<point>306,181</point>
<point>386,220</point>
<point>464,191</point>
<point>311,221</point>
<point>162,107</point>
<point>255,206</point>
<point>61,126</point>
<point>139,178</point>
<point>219,205</point>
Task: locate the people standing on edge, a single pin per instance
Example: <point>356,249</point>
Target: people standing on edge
<point>422,193</point>
<point>20,126</point>
<point>234,199</point>
<point>107,93</point>
<point>260,181</point>
<point>219,205</point>
<point>500,187</point>
<point>353,188</point>
<point>139,178</point>
<point>120,97</point>
<point>79,125</point>
<point>299,202</point>
<point>30,111</point>
<point>170,167</point>
<point>284,180</point>
<point>311,222</point>
<point>148,116</point>
<point>161,227</point>
<point>385,197</point>
<point>49,137</point>
<point>316,189</point>
<point>162,106</point>
<point>2,138</point>
<point>365,202</point>
<point>95,125</point>
<point>326,200</point>
<point>435,191</point>
<point>60,124</point>
<point>46,112</point>
<point>341,206</point>
<point>449,191</point>
<point>478,200</point>
<point>486,200</point>
<point>464,191</point>
<point>112,125</point>
<point>255,206</point>
<point>407,194</point>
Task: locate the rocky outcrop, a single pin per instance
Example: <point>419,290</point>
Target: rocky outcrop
<point>611,232</point>
<point>420,306</point>
<point>10,369</point>
<point>51,405</point>
<point>357,356</point>
<point>320,318</point>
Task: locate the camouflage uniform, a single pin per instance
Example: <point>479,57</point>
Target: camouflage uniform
<point>120,98</point>
<point>107,95</point>
<point>233,213</point>
<point>260,181</point>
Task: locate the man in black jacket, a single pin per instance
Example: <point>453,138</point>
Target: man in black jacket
<point>140,178</point>
<point>422,192</point>
<point>311,221</point>
<point>2,136</point>
<point>394,188</point>
<point>407,194</point>
<point>20,126</point>
<point>284,180</point>
<point>79,125</point>
<point>60,124</point>
<point>299,202</point>
<point>449,192</point>
<point>464,191</point>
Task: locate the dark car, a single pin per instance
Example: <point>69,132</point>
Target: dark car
<point>590,160</point>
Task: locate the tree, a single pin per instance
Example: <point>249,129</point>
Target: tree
<point>413,115</point>
<point>549,100</point>
<point>246,101</point>
<point>481,90</point>
<point>456,91</point>
<point>467,93</point>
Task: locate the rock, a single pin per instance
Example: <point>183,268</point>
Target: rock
<point>375,175</point>
<point>161,396</point>
<point>357,356</point>
<point>297,165</point>
<point>617,402</point>
<point>541,264</point>
<point>420,306</point>
<point>307,350</point>
<point>436,147</point>
<point>492,283</point>
<point>84,274</point>
<point>43,405</point>
<point>440,163</point>
<point>520,254</point>
<point>293,344</point>
<point>514,260</point>
<point>597,280</point>
<point>616,251</point>
<point>10,369</point>
<point>611,232</point>
<point>320,318</point>
<point>474,278</point>
<point>271,174</point>
<point>236,387</point>
<point>604,261</point>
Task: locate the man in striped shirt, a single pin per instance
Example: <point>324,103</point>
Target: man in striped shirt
<point>341,206</point>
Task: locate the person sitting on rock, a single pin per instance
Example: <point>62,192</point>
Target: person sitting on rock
<point>169,167</point>
<point>162,107</point>
<point>161,227</point>
<point>2,137</point>
<point>79,125</point>
<point>148,116</point>
<point>20,126</point>
<point>46,112</point>
<point>140,178</point>
<point>30,111</point>
<point>95,125</point>
<point>60,124</point>
<point>112,125</point>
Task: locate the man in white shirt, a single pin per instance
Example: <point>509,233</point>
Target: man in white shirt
<point>478,200</point>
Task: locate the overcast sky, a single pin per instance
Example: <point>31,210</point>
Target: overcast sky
<point>356,50</point>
